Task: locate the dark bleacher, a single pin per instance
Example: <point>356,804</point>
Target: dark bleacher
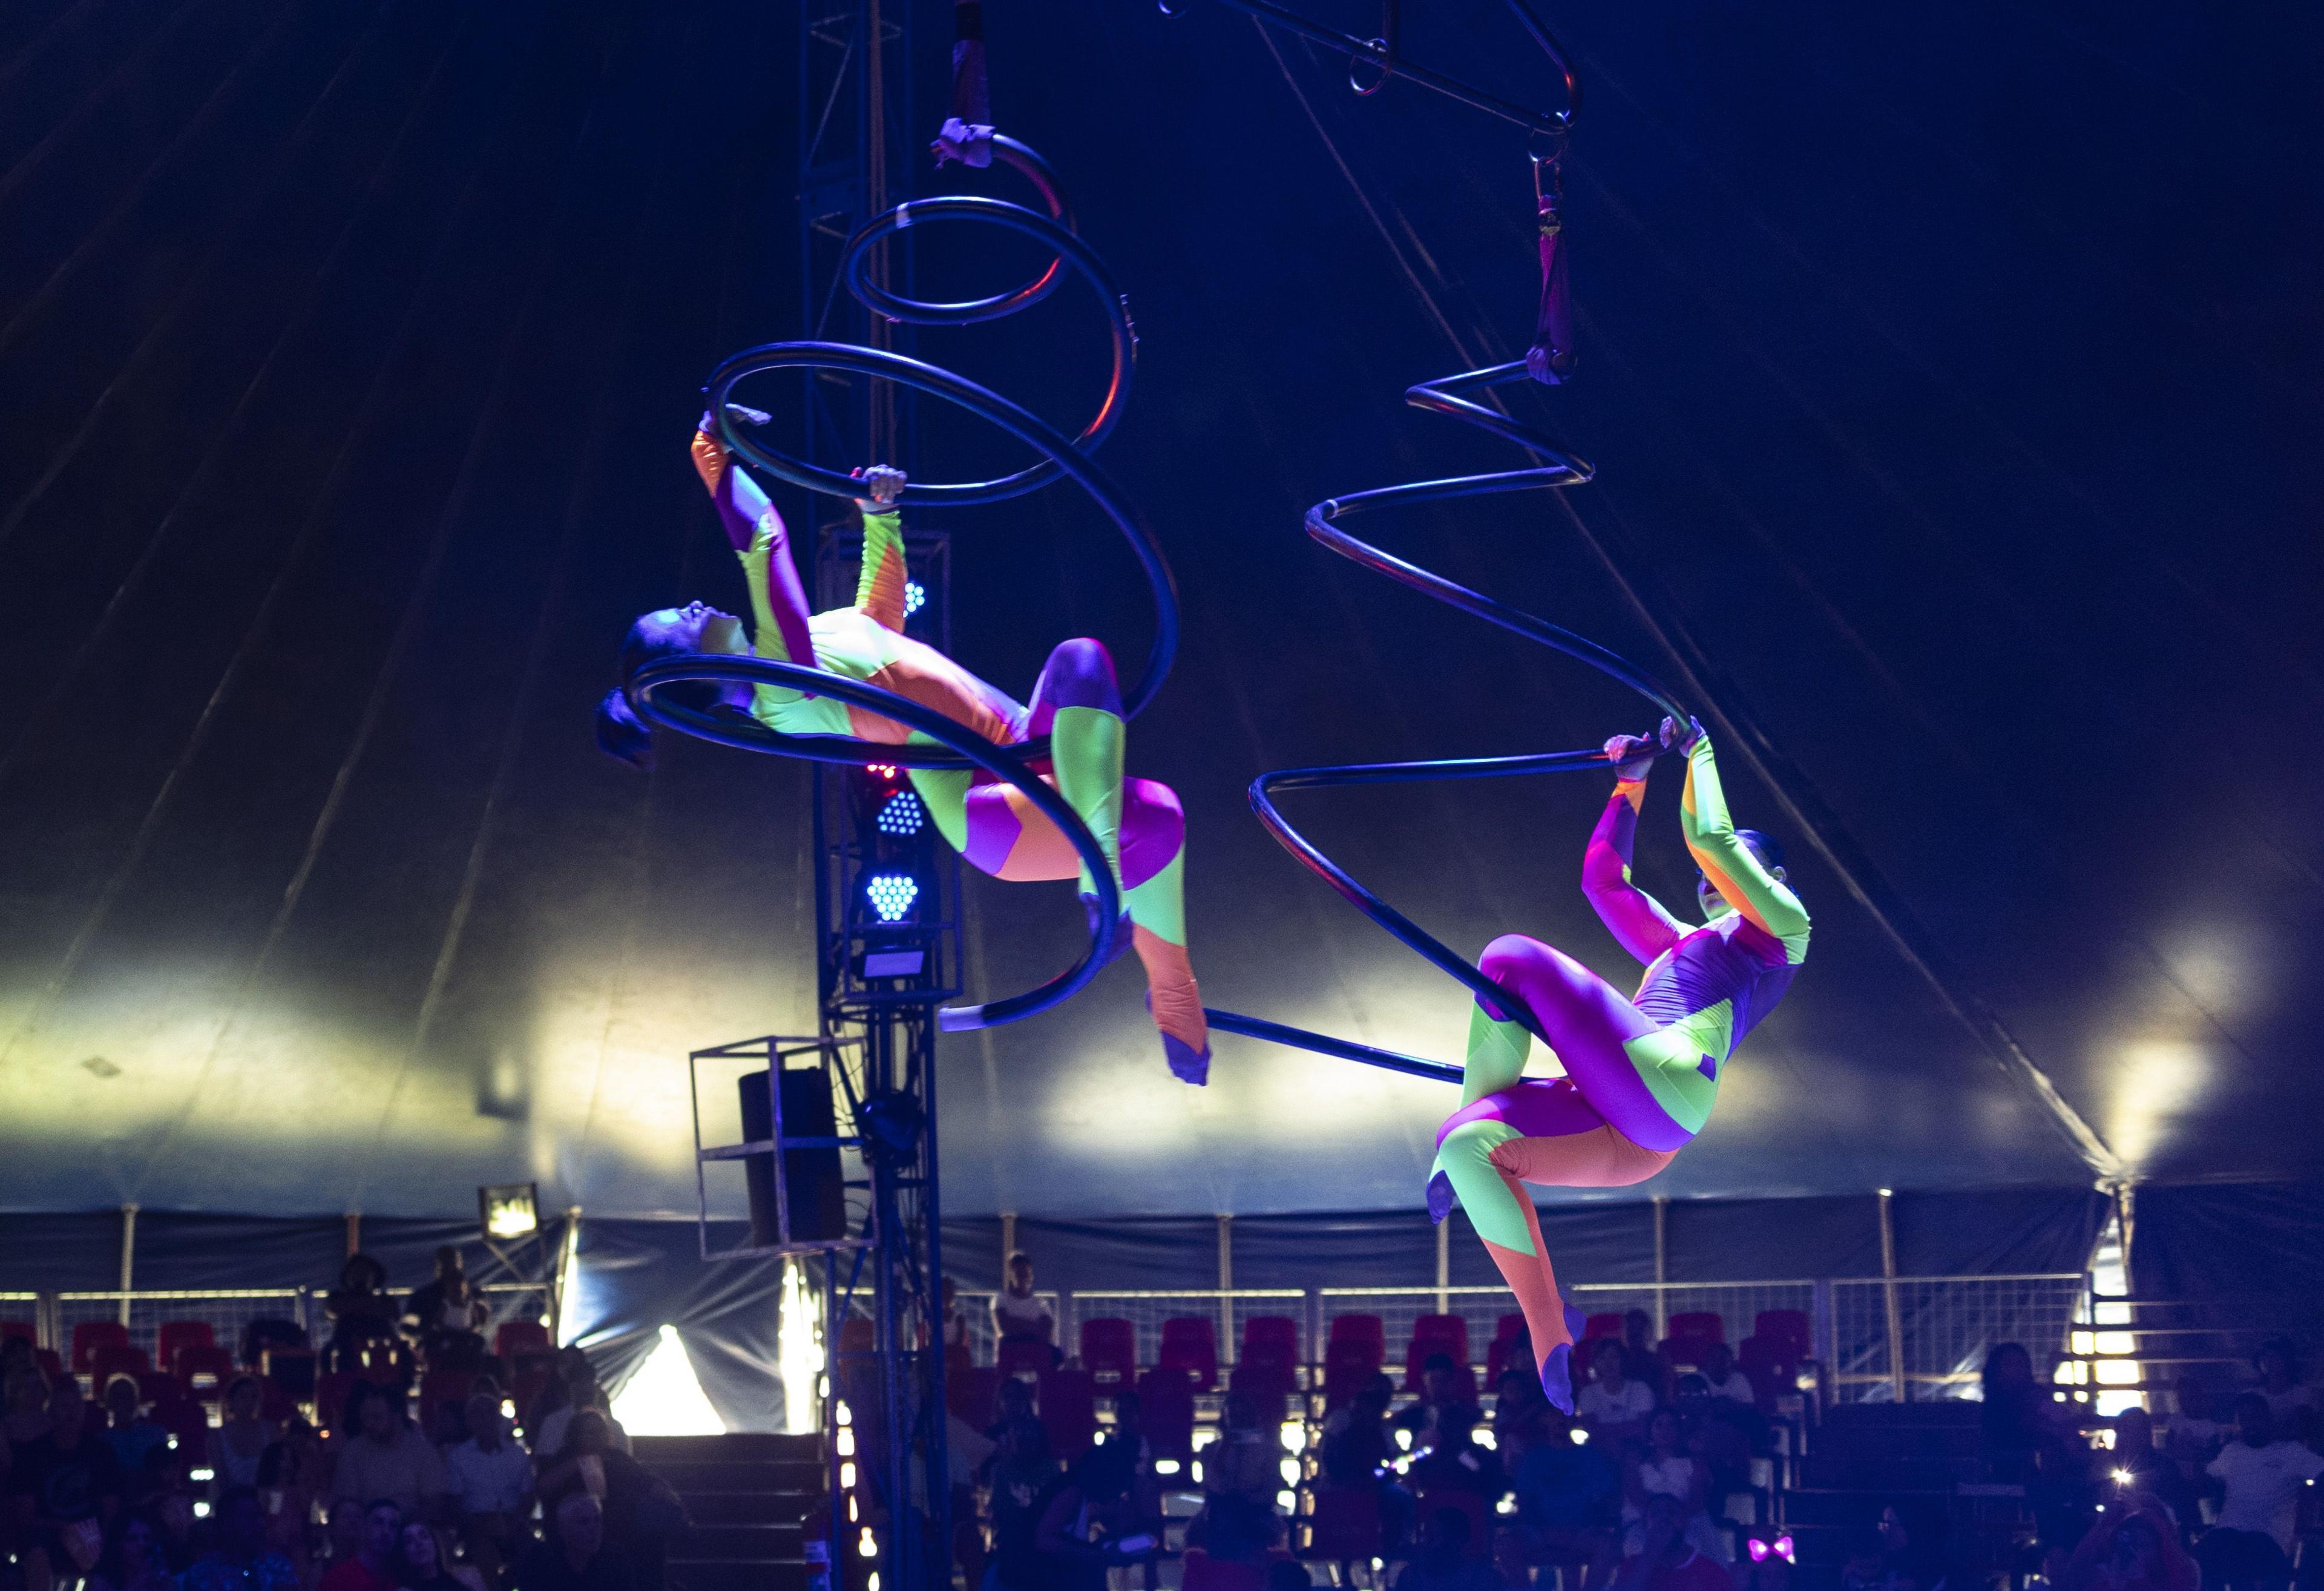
<point>748,1494</point>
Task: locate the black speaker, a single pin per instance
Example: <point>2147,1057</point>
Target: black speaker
<point>811,1177</point>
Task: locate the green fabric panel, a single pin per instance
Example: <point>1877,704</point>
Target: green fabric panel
<point>1085,748</point>
<point>1466,1158</point>
<point>944,791</point>
<point>1497,1055</point>
<point>1159,906</point>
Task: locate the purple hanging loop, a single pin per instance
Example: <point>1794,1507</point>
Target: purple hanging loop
<point>1550,360</point>
<point>967,135</point>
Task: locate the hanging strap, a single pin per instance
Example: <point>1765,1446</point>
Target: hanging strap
<point>967,132</point>
<point>1550,357</point>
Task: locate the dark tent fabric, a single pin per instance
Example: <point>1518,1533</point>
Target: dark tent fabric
<point>2258,1242</point>
<point>348,366</point>
<point>632,1278</point>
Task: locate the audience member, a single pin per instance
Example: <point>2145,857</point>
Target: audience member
<point>241,1441</point>
<point>2132,1547</point>
<point>1022,1471</point>
<point>2277,1363</point>
<point>174,1510</point>
<point>1442,1562</point>
<point>2141,1470</point>
<point>490,1476</point>
<point>1353,1451</point>
<point>1666,1561</point>
<point>1720,1432</point>
<point>1666,1469</point>
<point>2264,1474</point>
<point>371,1565</point>
<point>1455,1461</point>
<point>1568,1495</point>
<point>1087,1525</point>
<point>133,1434</point>
<point>27,1393</point>
<point>1641,1359</point>
<point>444,1319</point>
<point>132,1560</point>
<point>291,1476</point>
<point>573,1557</point>
<point>640,1511</point>
<point>1522,1416</point>
<point>1613,1408</point>
<point>1890,1557</point>
<point>342,1539</point>
<point>1724,1380</point>
<point>66,1485</point>
<point>419,1563</point>
<point>359,1310</point>
<point>577,1389</point>
<point>1771,1554</point>
<point>382,1456</point>
<point>1126,1447</point>
<point>955,1319</point>
<point>1019,1317</point>
<point>1241,1473</point>
<point>239,1558</point>
<point>1443,1399</point>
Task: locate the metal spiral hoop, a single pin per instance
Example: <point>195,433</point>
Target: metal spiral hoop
<point>1443,396</point>
<point>968,750</point>
<point>855,266</point>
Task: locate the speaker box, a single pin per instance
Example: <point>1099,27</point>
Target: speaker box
<point>811,1177</point>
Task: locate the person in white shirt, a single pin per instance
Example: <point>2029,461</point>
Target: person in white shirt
<point>2278,1364</point>
<point>1017,1315</point>
<point>2266,1475</point>
<point>1717,1368</point>
<point>1612,1408</point>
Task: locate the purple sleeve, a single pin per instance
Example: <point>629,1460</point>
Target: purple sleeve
<point>1635,917</point>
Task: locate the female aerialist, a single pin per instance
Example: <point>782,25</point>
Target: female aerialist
<point>1640,1074</point>
<point>1076,703</point>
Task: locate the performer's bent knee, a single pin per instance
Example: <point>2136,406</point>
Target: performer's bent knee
<point>1153,830</point>
<point>1080,674</point>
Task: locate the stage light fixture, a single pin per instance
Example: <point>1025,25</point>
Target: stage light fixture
<point>916,597</point>
<point>903,816</point>
<point>891,894</point>
<point>510,1210</point>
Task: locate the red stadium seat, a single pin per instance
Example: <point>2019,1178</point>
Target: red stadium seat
<point>1435,1333</point>
<point>117,1358</point>
<point>1270,1336</point>
<point>1189,1343</point>
<point>971,1391</point>
<point>856,1335</point>
<point>1708,1325</point>
<point>1110,1350</point>
<point>1347,1368</point>
<point>1269,1383</point>
<point>175,1335</point>
<point>205,1371</point>
<point>1025,1358</point>
<point>156,1388</point>
<point>23,1329</point>
<point>50,1365</point>
<point>1366,1329</point>
<point>1167,1414</point>
<point>1602,1326</point>
<point>1790,1326</point>
<point>1345,1527</point>
<point>520,1337</point>
<point>88,1336</point>
<point>1069,1411</point>
<point>440,1388</point>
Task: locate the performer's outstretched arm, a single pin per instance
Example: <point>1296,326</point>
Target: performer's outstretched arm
<point>755,531</point>
<point>1635,917</point>
<point>1728,860</point>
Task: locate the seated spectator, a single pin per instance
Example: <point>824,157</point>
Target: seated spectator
<point>638,1513</point>
<point>1613,1408</point>
<point>384,1459</point>
<point>27,1396</point>
<point>419,1563</point>
<point>2141,1470</point>
<point>1442,1562</point>
<point>1522,1416</point>
<point>1443,1396</point>
<point>1771,1555</point>
<point>1454,1461</point>
<point>1022,1475</point>
<point>1088,1525</point>
<point>2265,1475</point>
<point>1241,1474</point>
<point>1568,1496</point>
<point>1719,1433</point>
<point>490,1476</point>
<point>291,1475</point>
<point>1126,1447</point>
<point>241,1441</point>
<point>1666,1561</point>
<point>573,1557</point>
<point>342,1539</point>
<point>239,1558</point>
<point>134,1435</point>
<point>65,1485</point>
<point>359,1310</point>
<point>1887,1557</point>
<point>2019,1416</point>
<point>133,1559</point>
<point>1642,1361</point>
<point>371,1565</point>
<point>1019,1317</point>
<point>578,1389</point>
<point>174,1511</point>
<point>1724,1380</point>
<point>1353,1454</point>
<point>1666,1469</point>
<point>444,1319</point>
<point>2132,1547</point>
<point>2277,1363</point>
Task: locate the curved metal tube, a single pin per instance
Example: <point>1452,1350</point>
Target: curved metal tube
<point>969,749</point>
<point>987,405</point>
<point>855,265</point>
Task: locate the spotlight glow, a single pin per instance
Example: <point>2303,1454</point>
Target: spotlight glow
<point>891,894</point>
<point>916,597</point>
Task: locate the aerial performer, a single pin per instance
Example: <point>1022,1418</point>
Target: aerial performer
<point>1076,702</point>
<point>1641,1073</point>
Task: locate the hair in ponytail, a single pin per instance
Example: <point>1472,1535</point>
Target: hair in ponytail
<point>621,733</point>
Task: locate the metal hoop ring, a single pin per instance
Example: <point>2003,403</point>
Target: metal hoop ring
<point>968,749</point>
<point>855,265</point>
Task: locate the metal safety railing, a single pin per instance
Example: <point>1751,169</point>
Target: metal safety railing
<point>228,1312</point>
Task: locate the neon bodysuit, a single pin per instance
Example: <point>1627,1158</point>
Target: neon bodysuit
<point>1076,702</point>
<point>1641,1074</point>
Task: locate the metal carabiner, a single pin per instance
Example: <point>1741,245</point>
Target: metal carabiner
<point>1383,51</point>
